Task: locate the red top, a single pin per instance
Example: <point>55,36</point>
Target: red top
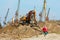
<point>44,29</point>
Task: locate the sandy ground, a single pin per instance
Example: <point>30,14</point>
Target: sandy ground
<point>48,37</point>
<point>51,36</point>
<point>21,32</point>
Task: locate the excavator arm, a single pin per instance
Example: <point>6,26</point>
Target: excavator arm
<point>47,18</point>
<point>6,16</point>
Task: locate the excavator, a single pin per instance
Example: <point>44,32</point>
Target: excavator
<point>0,23</point>
<point>40,16</point>
<point>47,18</point>
<point>16,21</point>
<point>6,17</point>
<point>29,18</point>
<point>17,12</point>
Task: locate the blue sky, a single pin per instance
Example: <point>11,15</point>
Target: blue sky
<point>27,5</point>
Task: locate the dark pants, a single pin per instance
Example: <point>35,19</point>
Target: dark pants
<point>45,33</point>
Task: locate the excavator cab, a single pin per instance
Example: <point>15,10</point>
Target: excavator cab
<point>30,18</point>
<point>23,20</point>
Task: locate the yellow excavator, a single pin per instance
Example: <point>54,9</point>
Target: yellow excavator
<point>29,18</point>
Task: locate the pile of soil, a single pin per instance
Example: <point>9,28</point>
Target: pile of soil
<point>18,32</point>
<point>24,31</point>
